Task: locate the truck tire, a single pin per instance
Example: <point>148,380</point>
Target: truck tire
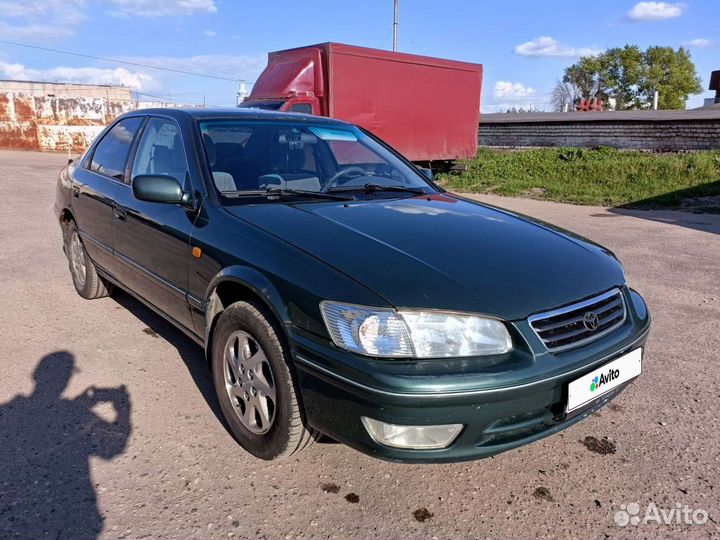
<point>254,383</point>
<point>85,278</point>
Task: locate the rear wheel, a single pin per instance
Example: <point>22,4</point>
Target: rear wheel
<point>254,384</point>
<point>87,282</point>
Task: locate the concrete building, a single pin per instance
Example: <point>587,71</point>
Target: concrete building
<point>66,90</point>
<point>57,116</point>
<point>39,115</point>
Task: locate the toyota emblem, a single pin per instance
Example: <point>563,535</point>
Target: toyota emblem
<point>591,321</point>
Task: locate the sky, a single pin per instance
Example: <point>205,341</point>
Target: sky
<point>524,45</point>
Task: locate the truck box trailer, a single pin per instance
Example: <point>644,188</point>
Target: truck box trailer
<point>427,108</point>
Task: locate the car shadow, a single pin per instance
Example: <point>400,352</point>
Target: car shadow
<point>46,489</point>
<point>696,208</point>
<point>191,353</point>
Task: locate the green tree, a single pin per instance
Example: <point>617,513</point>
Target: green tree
<point>672,74</point>
<point>630,76</point>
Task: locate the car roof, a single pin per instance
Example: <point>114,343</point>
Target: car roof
<point>235,114</point>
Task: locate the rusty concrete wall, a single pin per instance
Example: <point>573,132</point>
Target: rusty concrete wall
<point>54,123</point>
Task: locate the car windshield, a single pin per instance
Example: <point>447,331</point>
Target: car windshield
<point>291,158</point>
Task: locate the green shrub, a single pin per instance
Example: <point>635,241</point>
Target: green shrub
<point>602,176</point>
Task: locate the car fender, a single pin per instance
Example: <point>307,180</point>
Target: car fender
<point>251,279</point>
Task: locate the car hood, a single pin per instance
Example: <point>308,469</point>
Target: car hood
<point>444,252</point>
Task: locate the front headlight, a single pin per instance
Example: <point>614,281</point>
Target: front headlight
<point>409,333</point>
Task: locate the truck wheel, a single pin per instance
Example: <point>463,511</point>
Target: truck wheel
<point>84,275</point>
<point>254,385</point>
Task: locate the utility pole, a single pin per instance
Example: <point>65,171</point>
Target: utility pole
<point>395,27</point>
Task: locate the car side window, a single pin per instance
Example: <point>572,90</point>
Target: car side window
<point>161,151</point>
<point>111,153</point>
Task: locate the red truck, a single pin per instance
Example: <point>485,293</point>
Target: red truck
<point>427,108</point>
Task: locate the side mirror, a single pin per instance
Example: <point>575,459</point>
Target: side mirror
<point>156,188</point>
<point>427,173</point>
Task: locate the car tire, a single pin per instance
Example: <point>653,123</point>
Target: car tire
<point>84,274</point>
<point>254,383</point>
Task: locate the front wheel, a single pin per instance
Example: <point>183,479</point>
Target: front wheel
<point>88,283</point>
<point>254,385</point>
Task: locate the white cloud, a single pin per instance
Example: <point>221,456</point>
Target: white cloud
<point>142,78</point>
<point>33,32</point>
<point>210,33</point>
<point>84,75</point>
<point>221,65</point>
<point>546,46</point>
<point>29,20</point>
<point>655,11</point>
<point>698,43</point>
<point>56,19</point>
<point>160,8</point>
<point>510,90</point>
<point>63,12</point>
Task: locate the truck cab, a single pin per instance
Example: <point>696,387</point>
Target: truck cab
<point>293,81</point>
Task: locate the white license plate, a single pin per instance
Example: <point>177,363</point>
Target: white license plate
<point>603,379</point>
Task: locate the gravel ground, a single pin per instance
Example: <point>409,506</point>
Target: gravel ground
<point>121,439</point>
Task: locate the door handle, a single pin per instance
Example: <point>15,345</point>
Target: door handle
<point>120,213</point>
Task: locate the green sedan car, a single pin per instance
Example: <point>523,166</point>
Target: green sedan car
<point>337,290</point>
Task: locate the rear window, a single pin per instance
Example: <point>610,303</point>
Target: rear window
<point>111,153</point>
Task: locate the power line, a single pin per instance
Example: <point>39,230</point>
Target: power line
<point>169,99</point>
<point>137,64</point>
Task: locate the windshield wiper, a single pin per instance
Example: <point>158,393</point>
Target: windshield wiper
<point>277,192</point>
<point>302,192</point>
<point>367,188</point>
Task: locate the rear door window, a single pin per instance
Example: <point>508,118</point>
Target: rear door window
<point>111,153</point>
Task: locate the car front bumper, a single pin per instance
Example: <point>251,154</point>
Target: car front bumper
<point>502,406</point>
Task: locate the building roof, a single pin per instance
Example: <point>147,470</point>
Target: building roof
<point>17,81</point>
<point>703,113</point>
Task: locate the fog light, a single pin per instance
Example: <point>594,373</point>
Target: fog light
<point>418,437</point>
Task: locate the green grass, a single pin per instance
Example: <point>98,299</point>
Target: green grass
<point>603,176</point>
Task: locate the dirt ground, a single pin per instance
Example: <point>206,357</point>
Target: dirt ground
<point>143,454</point>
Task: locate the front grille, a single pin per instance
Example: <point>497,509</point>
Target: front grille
<point>577,324</point>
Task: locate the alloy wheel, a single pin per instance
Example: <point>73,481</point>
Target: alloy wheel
<point>249,382</point>
<point>77,259</point>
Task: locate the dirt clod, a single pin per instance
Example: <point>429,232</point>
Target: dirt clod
<point>353,498</point>
<point>422,514</point>
<point>329,487</point>
<point>542,493</point>
<point>599,446</point>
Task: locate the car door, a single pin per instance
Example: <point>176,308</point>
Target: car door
<point>152,240</point>
<point>94,186</point>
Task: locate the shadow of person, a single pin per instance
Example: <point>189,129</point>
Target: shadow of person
<point>46,442</point>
